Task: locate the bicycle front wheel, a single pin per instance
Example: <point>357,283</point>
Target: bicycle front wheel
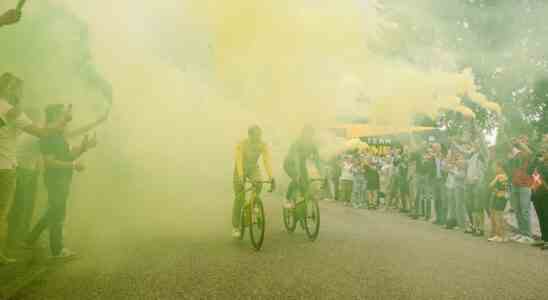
<point>290,221</point>
<point>312,219</point>
<point>243,221</point>
<point>258,223</point>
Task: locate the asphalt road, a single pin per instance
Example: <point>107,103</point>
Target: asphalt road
<point>359,255</point>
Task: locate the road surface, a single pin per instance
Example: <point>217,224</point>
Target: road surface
<point>359,255</point>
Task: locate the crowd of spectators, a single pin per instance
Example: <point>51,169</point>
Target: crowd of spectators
<point>460,184</point>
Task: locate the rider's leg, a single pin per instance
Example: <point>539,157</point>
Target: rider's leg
<point>292,172</point>
<point>238,202</point>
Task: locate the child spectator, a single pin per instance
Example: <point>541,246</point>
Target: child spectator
<point>500,187</point>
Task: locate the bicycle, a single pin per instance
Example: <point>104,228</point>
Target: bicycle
<point>252,214</point>
<point>306,211</point>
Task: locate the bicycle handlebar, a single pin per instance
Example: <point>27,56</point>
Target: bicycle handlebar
<point>257,182</point>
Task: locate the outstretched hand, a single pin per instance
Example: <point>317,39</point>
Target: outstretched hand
<point>89,143</point>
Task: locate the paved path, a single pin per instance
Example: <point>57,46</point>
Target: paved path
<point>359,255</point>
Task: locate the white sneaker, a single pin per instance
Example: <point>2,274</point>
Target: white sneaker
<point>525,240</point>
<point>496,239</point>
<point>515,237</point>
<point>65,253</point>
<point>288,205</point>
<point>236,233</point>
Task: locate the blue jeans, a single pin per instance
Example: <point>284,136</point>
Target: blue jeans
<point>456,206</point>
<point>359,191</point>
<point>54,218</point>
<point>521,204</point>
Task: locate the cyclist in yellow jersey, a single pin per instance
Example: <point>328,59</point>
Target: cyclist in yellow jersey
<point>247,168</point>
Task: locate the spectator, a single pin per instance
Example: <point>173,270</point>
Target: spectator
<point>500,188</point>
<point>27,173</point>
<point>438,180</point>
<point>359,187</point>
<point>490,174</point>
<point>28,170</point>
<point>475,171</point>
<point>347,180</point>
<point>11,16</point>
<point>520,198</point>
<point>539,168</point>
<point>456,218</point>
<point>60,161</point>
<point>12,122</point>
<point>429,165</point>
<point>421,207</point>
<point>402,181</point>
<point>334,175</point>
<point>373,184</point>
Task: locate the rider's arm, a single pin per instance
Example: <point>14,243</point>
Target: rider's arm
<point>267,161</point>
<point>318,163</point>
<point>239,161</point>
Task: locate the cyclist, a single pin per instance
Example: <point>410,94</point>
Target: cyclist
<point>295,164</point>
<point>248,153</point>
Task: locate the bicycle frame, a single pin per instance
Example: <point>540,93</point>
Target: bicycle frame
<point>252,213</point>
<point>306,198</point>
<point>252,187</point>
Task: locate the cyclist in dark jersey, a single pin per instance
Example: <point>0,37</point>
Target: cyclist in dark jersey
<point>295,164</point>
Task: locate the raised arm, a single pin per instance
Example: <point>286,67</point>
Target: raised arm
<point>42,132</point>
<point>86,145</point>
<point>86,128</point>
<point>27,126</point>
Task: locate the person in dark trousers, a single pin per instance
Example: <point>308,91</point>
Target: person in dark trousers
<point>60,162</point>
<point>373,184</point>
<point>520,198</point>
<point>539,170</point>
<point>418,158</point>
<point>437,179</point>
<point>402,180</point>
<point>29,167</point>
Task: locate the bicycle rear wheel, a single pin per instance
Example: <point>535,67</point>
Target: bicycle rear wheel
<point>312,219</point>
<point>257,225</point>
<point>290,221</point>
